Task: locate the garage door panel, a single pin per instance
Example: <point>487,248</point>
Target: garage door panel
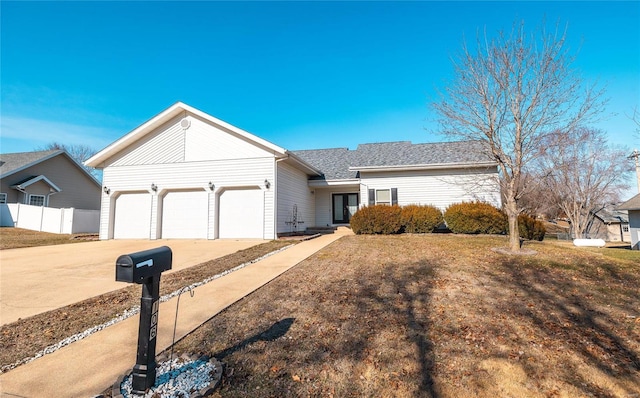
<point>241,214</point>
<point>132,219</point>
<point>185,215</point>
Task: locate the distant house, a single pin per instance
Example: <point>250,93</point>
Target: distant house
<point>633,207</point>
<point>610,224</point>
<point>47,178</point>
<point>186,174</point>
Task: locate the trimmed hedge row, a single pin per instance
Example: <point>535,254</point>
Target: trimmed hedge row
<point>475,218</point>
<point>385,219</point>
<point>461,218</point>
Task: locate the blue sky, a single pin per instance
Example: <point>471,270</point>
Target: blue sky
<point>300,74</point>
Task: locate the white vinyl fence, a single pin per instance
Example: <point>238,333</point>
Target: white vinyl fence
<point>48,219</point>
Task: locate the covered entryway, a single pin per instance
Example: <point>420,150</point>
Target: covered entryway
<point>132,218</point>
<point>241,214</point>
<point>345,205</point>
<point>185,215</point>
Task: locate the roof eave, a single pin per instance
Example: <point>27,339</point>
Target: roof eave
<point>42,159</point>
<point>33,181</point>
<point>99,158</point>
<point>308,168</point>
<point>337,182</point>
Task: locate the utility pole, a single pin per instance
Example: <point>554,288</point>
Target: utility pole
<point>636,155</point>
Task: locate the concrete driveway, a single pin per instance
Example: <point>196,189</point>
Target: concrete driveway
<point>39,279</point>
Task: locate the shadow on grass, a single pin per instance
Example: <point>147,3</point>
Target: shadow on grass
<point>572,311</point>
<point>401,299</point>
<point>277,330</point>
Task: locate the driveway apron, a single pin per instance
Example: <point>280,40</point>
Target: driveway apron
<point>40,279</point>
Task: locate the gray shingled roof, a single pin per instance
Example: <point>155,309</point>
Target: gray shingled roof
<point>610,214</point>
<point>335,162</point>
<point>12,162</point>
<point>631,204</point>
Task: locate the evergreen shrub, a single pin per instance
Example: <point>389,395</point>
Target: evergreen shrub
<point>377,219</point>
<point>530,228</point>
<point>419,219</point>
<point>475,218</point>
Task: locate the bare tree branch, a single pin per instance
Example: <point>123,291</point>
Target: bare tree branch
<point>511,92</point>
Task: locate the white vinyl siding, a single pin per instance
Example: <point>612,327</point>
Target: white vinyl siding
<point>170,143</point>
<point>206,142</point>
<point>165,145</point>
<point>191,176</point>
<point>293,190</point>
<point>439,188</point>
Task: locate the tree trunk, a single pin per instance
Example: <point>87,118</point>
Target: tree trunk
<point>512,215</point>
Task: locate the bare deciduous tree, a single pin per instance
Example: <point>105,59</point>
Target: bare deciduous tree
<point>511,92</point>
<point>583,174</point>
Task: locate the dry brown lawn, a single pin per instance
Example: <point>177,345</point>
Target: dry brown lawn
<point>13,238</point>
<point>425,316</point>
<point>434,315</point>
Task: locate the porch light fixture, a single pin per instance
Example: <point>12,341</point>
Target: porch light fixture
<point>211,185</point>
<point>154,187</point>
<point>106,190</point>
<point>267,184</point>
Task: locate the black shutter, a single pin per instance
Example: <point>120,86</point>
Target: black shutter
<point>394,196</point>
<point>372,197</point>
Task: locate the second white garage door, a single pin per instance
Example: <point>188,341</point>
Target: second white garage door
<point>241,214</point>
<point>185,215</point>
<point>132,218</point>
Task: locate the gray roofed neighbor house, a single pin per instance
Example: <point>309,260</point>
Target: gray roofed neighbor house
<point>14,162</point>
<point>342,163</point>
<point>612,215</point>
<point>631,204</point>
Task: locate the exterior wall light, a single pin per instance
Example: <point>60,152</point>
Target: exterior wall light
<point>267,184</point>
<point>106,190</point>
<point>212,186</point>
<point>154,187</point>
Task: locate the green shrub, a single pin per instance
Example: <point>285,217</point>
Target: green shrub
<point>475,218</point>
<point>530,228</point>
<point>377,219</point>
<point>417,219</point>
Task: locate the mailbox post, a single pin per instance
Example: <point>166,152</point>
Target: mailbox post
<point>145,268</point>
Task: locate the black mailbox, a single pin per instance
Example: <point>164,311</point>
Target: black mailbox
<point>137,267</point>
<point>145,268</point>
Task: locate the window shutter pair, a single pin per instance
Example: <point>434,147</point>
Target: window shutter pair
<point>394,196</point>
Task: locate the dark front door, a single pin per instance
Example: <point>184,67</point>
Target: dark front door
<point>344,206</point>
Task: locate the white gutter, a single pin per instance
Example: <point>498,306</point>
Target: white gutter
<point>331,183</point>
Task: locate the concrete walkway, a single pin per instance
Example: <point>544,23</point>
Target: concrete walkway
<point>87,367</point>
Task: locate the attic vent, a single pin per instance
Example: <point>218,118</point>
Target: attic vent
<point>185,123</point>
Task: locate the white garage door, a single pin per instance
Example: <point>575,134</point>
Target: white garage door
<point>241,214</point>
<point>185,215</point>
<point>132,216</point>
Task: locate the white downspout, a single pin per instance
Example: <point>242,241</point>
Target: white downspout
<point>275,196</point>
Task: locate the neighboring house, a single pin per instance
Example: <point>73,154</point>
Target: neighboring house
<point>47,178</point>
<point>186,174</point>
<point>633,207</point>
<point>610,224</point>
